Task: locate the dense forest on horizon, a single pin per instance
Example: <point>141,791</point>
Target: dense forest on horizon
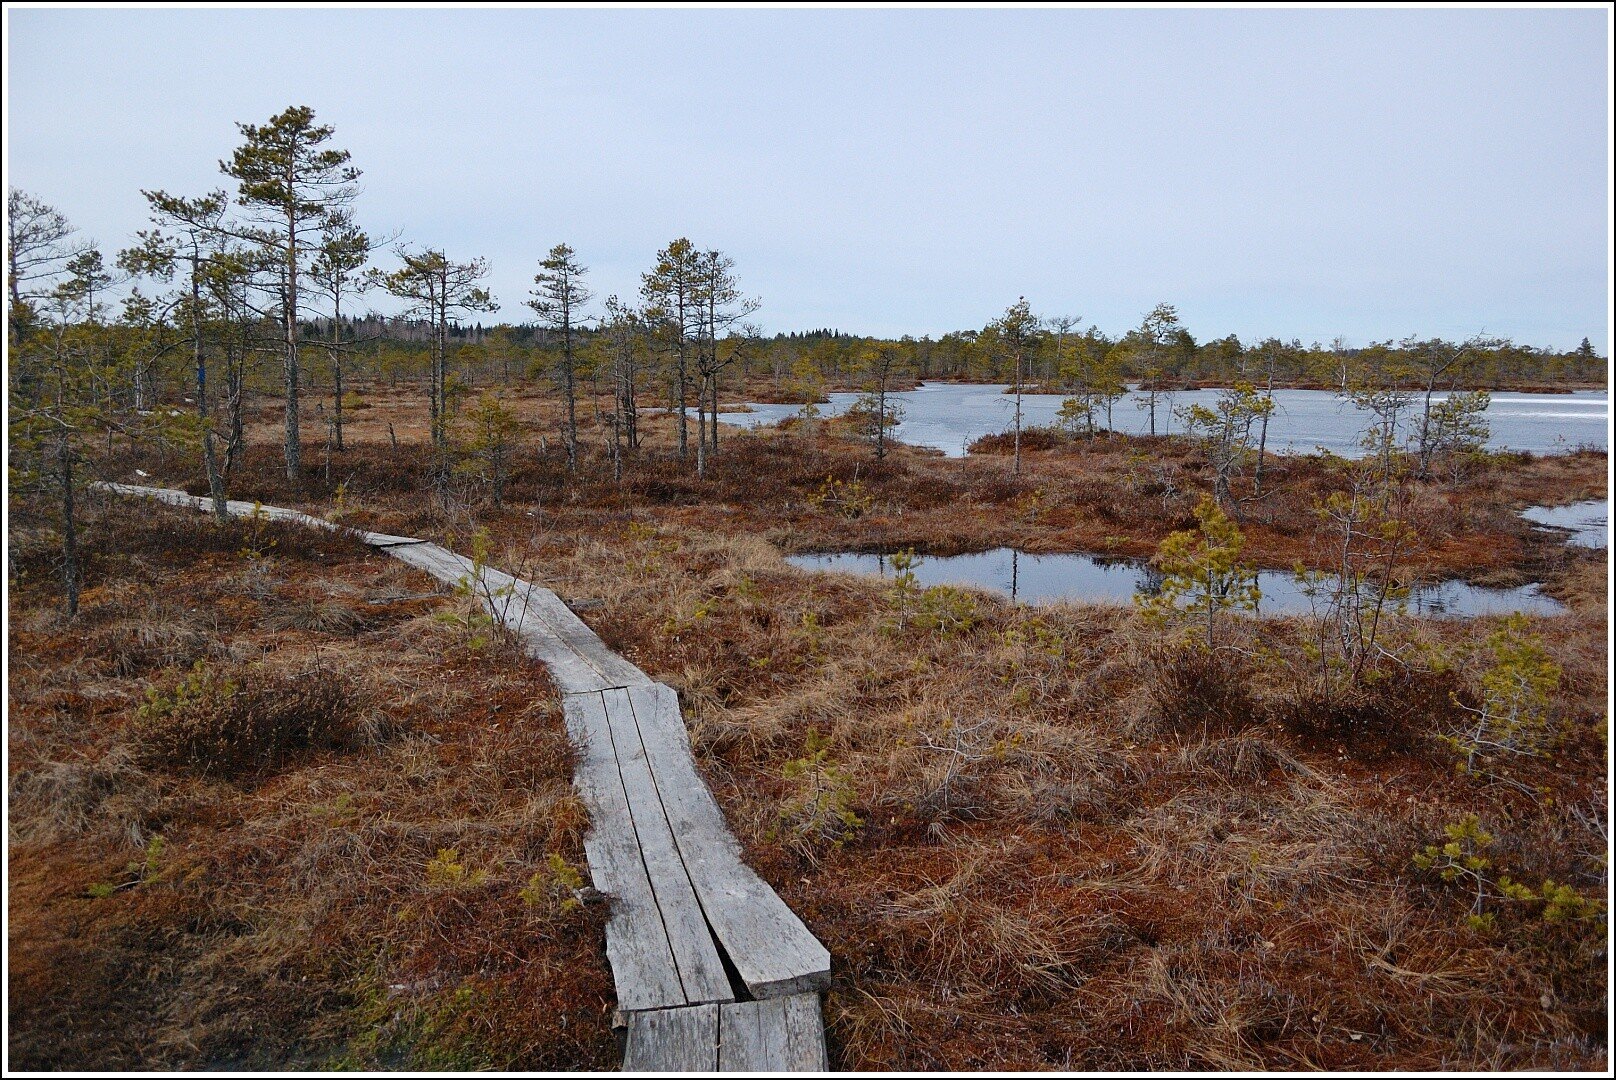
<point>390,346</point>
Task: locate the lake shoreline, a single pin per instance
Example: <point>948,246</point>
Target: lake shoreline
<point>949,416</point>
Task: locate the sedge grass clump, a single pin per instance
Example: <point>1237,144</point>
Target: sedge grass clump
<point>235,722</point>
<point>1195,690</point>
<point>1393,708</point>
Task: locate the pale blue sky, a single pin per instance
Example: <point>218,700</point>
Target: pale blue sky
<point>1368,173</point>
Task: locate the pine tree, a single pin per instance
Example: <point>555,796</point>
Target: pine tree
<point>291,185</point>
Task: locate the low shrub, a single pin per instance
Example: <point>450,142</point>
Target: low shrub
<point>1396,710</point>
<point>244,722</point>
<point>1198,690</point>
<point>1004,442</point>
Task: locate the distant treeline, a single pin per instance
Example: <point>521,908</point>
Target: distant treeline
<point>394,348</point>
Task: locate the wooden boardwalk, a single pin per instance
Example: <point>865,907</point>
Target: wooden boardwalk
<point>713,971</point>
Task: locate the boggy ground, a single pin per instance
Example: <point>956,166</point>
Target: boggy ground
<point>812,488</point>
<point>1054,837</point>
<point>310,852</point>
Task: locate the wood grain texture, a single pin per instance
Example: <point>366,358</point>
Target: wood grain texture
<point>773,952</point>
<point>694,951</point>
<point>637,946</point>
<point>779,1035</point>
<point>673,1040</point>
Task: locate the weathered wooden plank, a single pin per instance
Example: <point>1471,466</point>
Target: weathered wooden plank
<point>385,540</point>
<point>673,1040</point>
<point>774,953</point>
<point>752,1036</point>
<point>439,561</point>
<point>700,968</point>
<point>805,1035</point>
<point>578,660</point>
<point>643,965</point>
<point>657,844</point>
<point>542,612</point>
<point>778,1035</point>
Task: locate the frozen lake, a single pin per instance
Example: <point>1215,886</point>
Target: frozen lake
<point>948,416</point>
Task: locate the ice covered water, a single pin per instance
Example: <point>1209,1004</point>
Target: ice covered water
<point>948,416</point>
<point>1588,522</point>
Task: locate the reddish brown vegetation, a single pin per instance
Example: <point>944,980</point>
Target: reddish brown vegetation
<point>1073,844</point>
<point>244,879</point>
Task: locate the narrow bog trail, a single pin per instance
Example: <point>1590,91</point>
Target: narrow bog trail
<point>713,971</point>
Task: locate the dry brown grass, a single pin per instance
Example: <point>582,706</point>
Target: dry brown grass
<point>1076,848</point>
<point>1065,864</point>
<point>247,879</point>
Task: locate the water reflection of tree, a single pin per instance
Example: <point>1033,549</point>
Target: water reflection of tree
<point>1151,580</point>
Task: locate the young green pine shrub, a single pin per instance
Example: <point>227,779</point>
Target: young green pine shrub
<point>1561,903</point>
<point>850,499</point>
<point>247,722</point>
<point>1512,718</point>
<point>812,635</point>
<point>258,542</point>
<point>904,593</point>
<point>1462,860</point>
<point>148,868</point>
<point>555,886</point>
<point>821,810</point>
<point>340,502</point>
<point>489,438</point>
<point>446,871</point>
<point>941,609</point>
<point>1074,417</point>
<point>474,596</point>
<point>946,611</point>
<point>1202,575</point>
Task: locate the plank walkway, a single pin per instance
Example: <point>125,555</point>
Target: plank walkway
<point>713,971</point>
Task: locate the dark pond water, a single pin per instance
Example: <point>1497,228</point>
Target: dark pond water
<point>1588,522</point>
<point>948,416</point>
<point>1047,579</point>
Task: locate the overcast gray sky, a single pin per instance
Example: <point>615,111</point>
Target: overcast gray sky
<point>1368,173</point>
